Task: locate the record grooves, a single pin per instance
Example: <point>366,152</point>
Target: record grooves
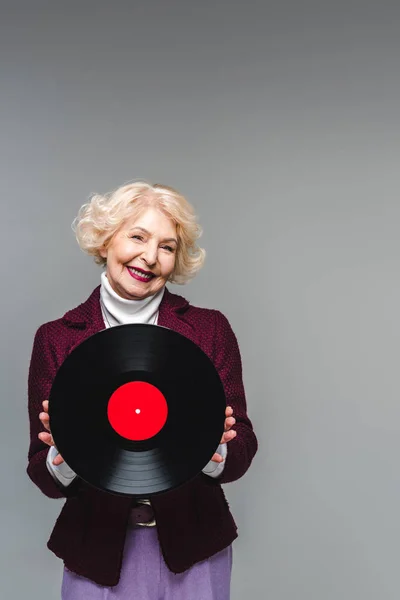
<point>137,410</point>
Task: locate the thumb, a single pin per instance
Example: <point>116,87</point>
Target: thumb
<point>58,460</point>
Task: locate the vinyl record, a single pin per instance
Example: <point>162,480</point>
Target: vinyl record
<point>137,410</point>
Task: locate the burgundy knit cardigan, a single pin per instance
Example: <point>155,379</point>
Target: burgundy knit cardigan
<point>193,521</point>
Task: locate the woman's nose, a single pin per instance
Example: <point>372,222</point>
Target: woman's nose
<point>149,254</point>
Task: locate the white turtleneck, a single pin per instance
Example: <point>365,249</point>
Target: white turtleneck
<point>120,311</point>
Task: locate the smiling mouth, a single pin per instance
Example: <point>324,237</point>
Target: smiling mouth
<point>139,275</point>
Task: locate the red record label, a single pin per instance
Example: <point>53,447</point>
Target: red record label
<point>137,410</point>
<point>149,384</point>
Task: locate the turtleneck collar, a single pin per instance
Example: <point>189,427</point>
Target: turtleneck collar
<point>120,311</point>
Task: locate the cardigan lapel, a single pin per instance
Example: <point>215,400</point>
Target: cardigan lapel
<point>88,316</point>
<point>172,313</point>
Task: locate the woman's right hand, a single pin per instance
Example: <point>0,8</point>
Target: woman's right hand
<point>47,438</point>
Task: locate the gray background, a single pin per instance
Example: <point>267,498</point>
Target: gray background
<point>280,122</point>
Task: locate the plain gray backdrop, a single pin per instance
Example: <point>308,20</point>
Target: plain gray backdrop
<point>280,123</point>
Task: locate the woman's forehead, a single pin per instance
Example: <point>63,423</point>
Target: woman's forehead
<point>151,221</point>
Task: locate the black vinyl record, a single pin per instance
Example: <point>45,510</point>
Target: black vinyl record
<point>137,410</point>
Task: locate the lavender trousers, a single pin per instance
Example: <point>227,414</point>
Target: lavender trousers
<point>145,576</point>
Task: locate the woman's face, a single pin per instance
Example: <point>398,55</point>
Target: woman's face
<point>141,255</point>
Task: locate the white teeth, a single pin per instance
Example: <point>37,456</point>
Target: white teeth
<point>139,273</point>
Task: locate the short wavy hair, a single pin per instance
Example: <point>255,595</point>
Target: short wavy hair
<point>100,218</point>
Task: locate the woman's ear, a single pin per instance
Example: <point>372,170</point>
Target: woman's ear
<point>103,251</point>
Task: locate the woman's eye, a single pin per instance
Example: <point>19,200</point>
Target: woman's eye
<point>169,248</point>
<point>138,237</point>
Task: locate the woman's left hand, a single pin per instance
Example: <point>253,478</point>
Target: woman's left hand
<point>229,433</point>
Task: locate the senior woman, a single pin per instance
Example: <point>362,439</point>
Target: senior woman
<point>178,545</point>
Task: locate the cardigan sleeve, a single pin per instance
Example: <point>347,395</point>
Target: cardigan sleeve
<point>228,362</point>
<point>42,370</point>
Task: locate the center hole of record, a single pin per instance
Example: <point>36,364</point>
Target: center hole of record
<point>137,410</point>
